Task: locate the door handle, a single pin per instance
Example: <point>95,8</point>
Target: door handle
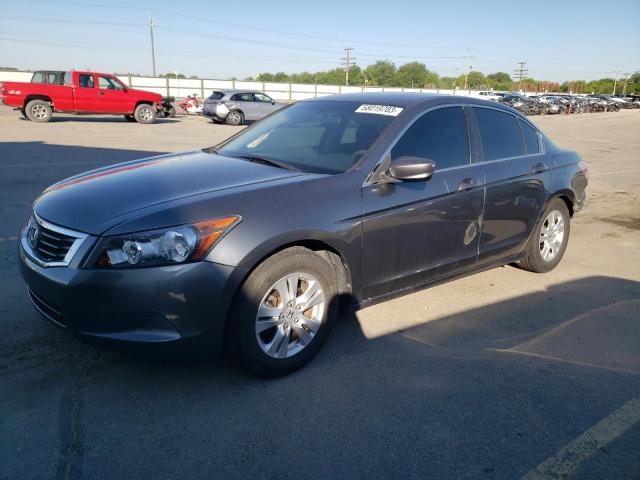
<point>539,167</point>
<point>100,93</point>
<point>467,183</point>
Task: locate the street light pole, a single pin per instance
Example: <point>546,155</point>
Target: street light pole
<point>153,49</point>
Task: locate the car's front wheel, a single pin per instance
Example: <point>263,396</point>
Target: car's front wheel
<point>549,242</point>
<point>145,113</point>
<point>283,313</point>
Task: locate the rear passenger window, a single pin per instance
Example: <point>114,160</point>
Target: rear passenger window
<point>500,134</point>
<point>530,138</point>
<point>85,81</point>
<point>38,77</point>
<point>440,135</point>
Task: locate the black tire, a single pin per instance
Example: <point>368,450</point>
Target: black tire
<point>242,339</point>
<point>235,118</point>
<point>534,262</point>
<point>39,111</point>
<point>145,114</point>
<point>23,112</point>
<point>130,118</point>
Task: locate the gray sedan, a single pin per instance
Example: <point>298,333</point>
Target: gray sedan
<point>237,106</point>
<point>339,202</point>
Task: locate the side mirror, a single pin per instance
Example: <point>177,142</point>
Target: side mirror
<point>409,169</point>
<point>273,102</point>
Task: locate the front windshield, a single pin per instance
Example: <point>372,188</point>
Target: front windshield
<point>314,136</point>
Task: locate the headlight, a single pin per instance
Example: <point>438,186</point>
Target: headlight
<point>168,246</point>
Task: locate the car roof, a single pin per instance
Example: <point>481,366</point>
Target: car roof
<point>408,99</point>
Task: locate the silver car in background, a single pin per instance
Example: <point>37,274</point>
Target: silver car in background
<point>234,107</point>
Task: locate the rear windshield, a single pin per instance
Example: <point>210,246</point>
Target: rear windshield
<point>313,136</point>
<point>216,96</point>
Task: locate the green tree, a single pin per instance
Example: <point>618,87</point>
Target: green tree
<point>281,77</point>
<point>172,75</point>
<point>382,73</point>
<point>500,77</point>
<point>265,77</point>
<point>416,75</point>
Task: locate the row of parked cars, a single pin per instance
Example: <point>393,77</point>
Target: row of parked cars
<point>548,104</point>
<point>102,93</point>
<point>91,92</point>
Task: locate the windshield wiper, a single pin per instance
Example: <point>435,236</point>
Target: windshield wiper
<point>267,161</point>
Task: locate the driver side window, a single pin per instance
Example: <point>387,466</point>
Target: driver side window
<point>440,135</point>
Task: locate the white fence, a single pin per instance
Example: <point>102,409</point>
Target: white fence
<point>287,92</point>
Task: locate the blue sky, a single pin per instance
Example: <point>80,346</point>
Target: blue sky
<point>559,40</point>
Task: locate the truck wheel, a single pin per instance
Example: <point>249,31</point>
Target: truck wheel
<point>130,118</point>
<point>145,113</point>
<point>23,112</point>
<point>38,111</point>
<point>283,313</point>
<point>235,118</point>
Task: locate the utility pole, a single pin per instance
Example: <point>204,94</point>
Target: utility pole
<point>624,88</point>
<point>153,49</point>
<point>347,61</point>
<point>468,69</point>
<point>615,80</point>
<point>520,73</point>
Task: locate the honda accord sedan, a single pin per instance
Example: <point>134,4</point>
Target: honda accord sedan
<point>253,245</point>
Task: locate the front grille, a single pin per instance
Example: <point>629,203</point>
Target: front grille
<point>53,246</point>
<point>49,312</point>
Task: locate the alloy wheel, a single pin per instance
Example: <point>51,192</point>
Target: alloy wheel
<point>290,315</point>
<point>551,235</point>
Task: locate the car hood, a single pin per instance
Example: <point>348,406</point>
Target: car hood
<point>96,201</point>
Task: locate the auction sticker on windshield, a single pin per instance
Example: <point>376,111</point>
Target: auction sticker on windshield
<point>380,110</point>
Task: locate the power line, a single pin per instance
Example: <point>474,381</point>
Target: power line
<point>347,61</point>
<point>520,73</point>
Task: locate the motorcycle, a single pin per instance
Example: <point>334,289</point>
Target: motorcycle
<point>190,106</point>
<point>167,110</point>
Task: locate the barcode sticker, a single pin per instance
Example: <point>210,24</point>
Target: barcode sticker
<point>380,110</point>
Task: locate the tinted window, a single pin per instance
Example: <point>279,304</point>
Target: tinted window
<point>314,136</point>
<point>440,136</point>
<point>38,77</point>
<point>216,95</point>
<point>85,81</point>
<point>530,138</point>
<point>242,97</point>
<point>499,133</point>
<point>68,78</point>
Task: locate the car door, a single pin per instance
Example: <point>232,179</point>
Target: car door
<point>86,93</point>
<point>517,177</point>
<point>112,96</point>
<point>414,232</point>
<point>265,104</point>
<point>246,103</point>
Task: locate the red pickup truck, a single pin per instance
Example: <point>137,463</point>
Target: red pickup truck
<point>82,92</point>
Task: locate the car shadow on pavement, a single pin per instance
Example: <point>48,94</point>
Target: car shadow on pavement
<point>97,119</point>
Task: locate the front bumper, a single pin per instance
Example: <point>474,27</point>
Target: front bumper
<point>138,305</point>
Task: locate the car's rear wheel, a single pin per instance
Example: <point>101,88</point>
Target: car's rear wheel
<point>549,241</point>
<point>145,113</point>
<point>283,313</point>
<point>130,118</point>
<point>235,118</point>
<point>39,111</point>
